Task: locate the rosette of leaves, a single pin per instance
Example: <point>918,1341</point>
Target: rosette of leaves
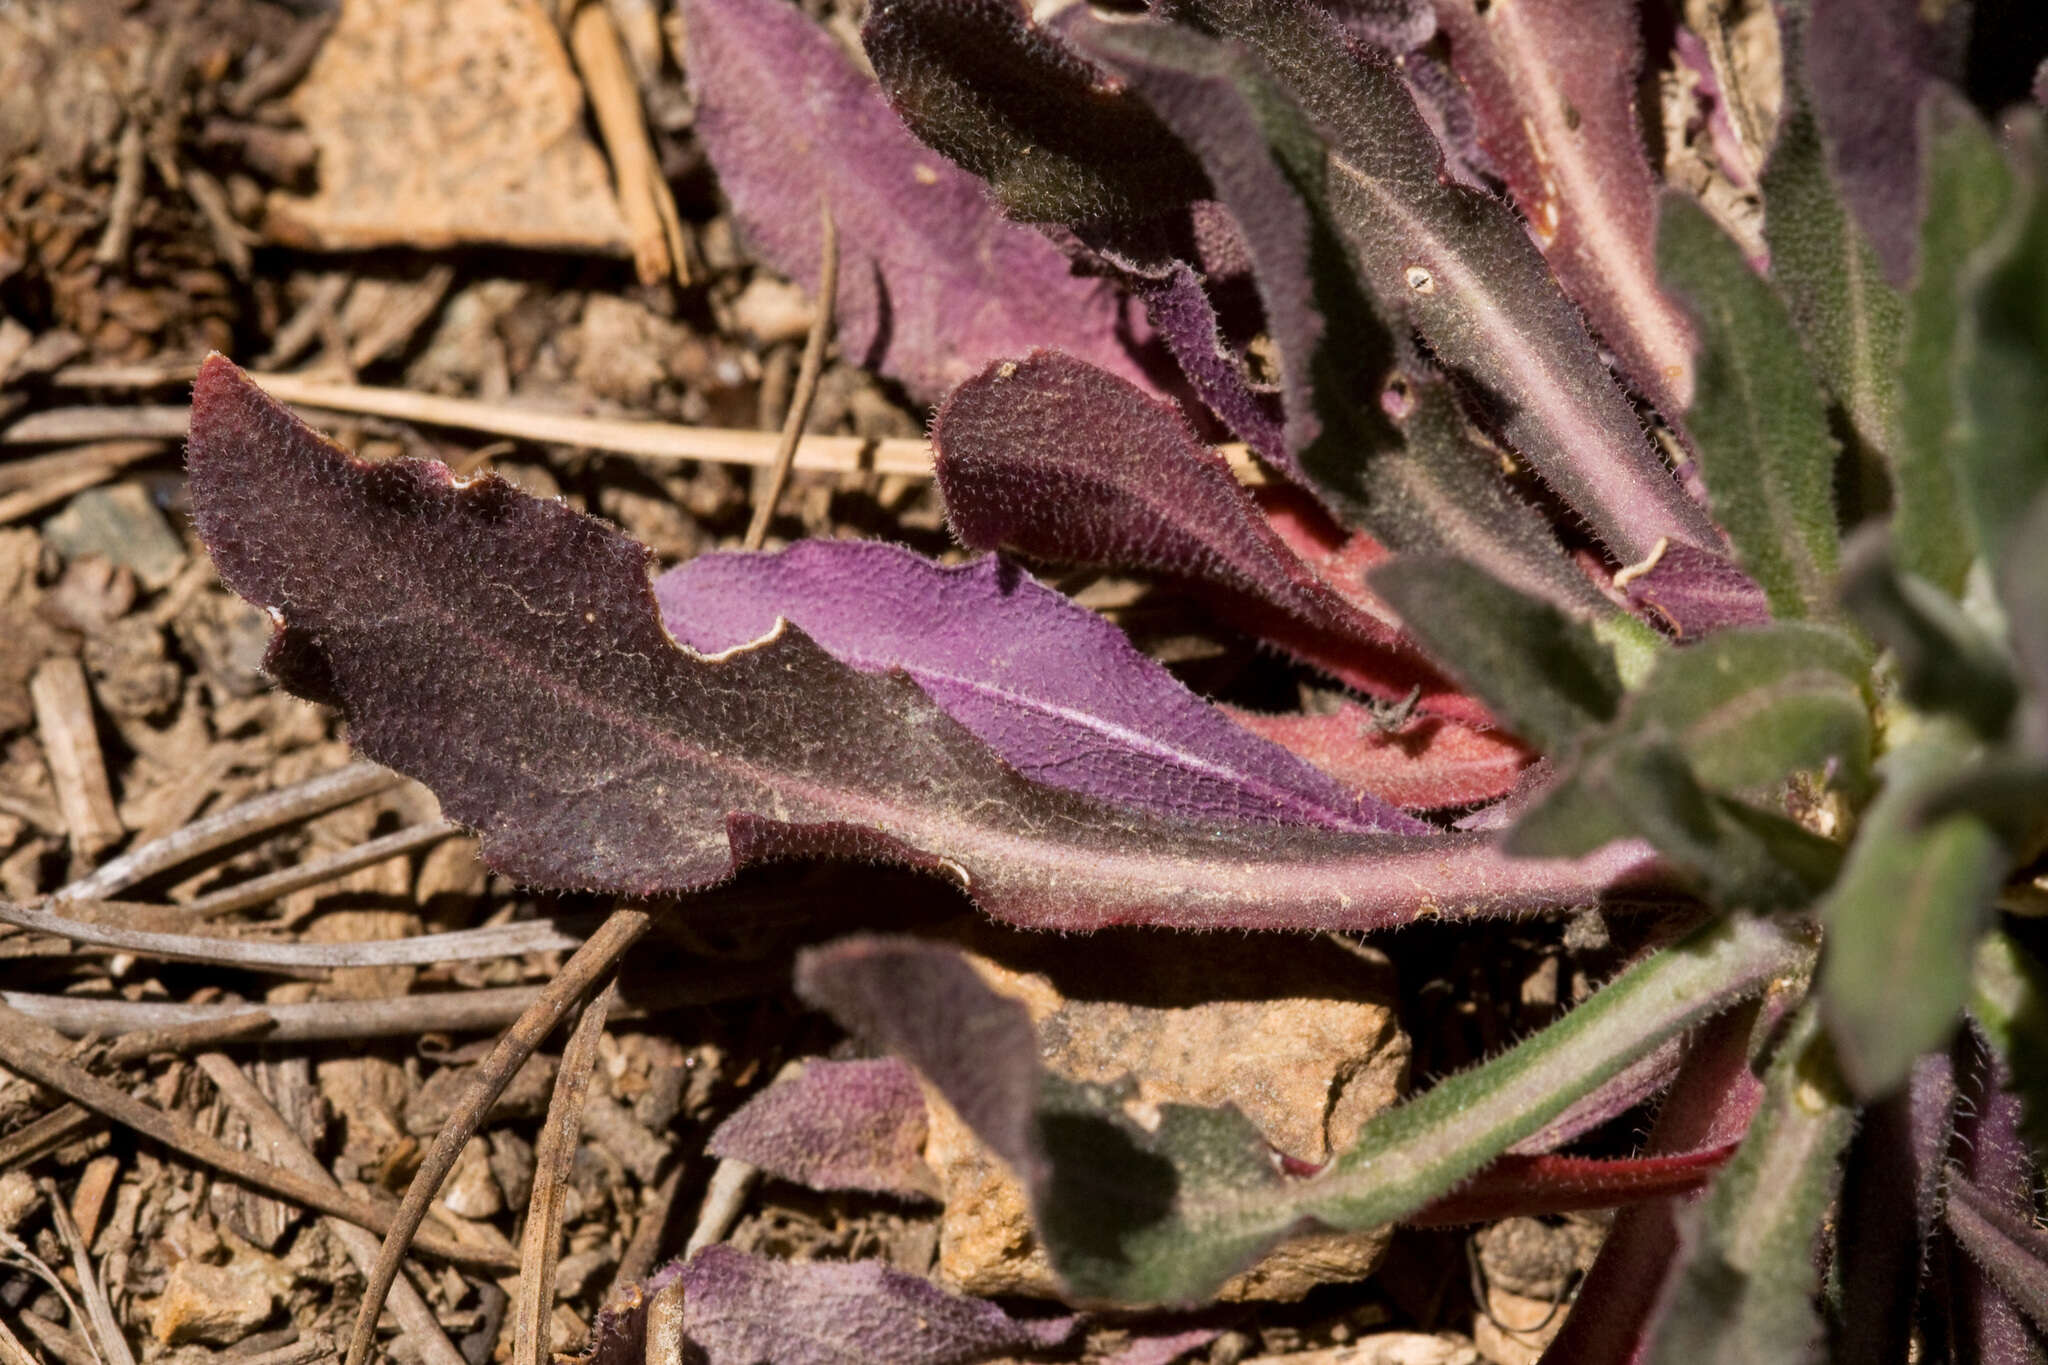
<point>1753,554</point>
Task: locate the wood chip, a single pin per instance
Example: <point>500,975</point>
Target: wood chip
<point>71,744</point>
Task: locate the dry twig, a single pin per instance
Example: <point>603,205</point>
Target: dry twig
<point>540,1248</point>
<point>591,963</point>
<point>645,200</point>
<point>99,1314</point>
<point>769,490</point>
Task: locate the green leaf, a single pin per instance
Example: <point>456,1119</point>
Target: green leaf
<point>1903,918</point>
<point>1746,1282</point>
<point>2022,576</point>
<point>1946,663</point>
<point>1757,416</point>
<point>1851,319</point>
<point>2009,1001</point>
<point>1546,674</point>
<point>1163,1214</point>
<point>1968,188</point>
<point>2001,359</point>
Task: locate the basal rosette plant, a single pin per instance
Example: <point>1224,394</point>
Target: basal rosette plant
<point>1701,581</point>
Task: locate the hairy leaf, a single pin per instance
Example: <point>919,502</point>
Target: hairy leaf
<point>1757,419</point>
<point>1457,266</point>
<point>1427,763</point>
<point>509,653</point>
<point>2009,1249</point>
<point>1058,140</point>
<point>1184,317</point>
<point>1695,593</point>
<point>2009,1000</point>
<point>1968,187</point>
<point>856,1125</point>
<point>933,283</point>
<point>2023,581</point>
<point>1546,1185</point>
<point>1554,84</point>
<point>1165,1212</point>
<point>1995,1158</point>
<point>2001,358</point>
<point>1868,63</point>
<point>1055,690</point>
<point>1056,459</point>
<point>1745,1288</point>
<point>1851,319</point>
<point>1711,1103</point>
<point>738,1307</point>
<point>1946,662</point>
<point>1546,673</point>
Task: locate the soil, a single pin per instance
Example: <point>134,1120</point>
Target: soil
<point>158,179</point>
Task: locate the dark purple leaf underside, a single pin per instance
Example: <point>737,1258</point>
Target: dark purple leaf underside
<point>509,653</point>
<point>1554,84</point>
<point>2010,1249</point>
<point>1868,63</point>
<point>1163,1348</point>
<point>1059,460</point>
<point>1059,693</point>
<point>1695,593</point>
<point>742,1308</point>
<point>856,1125</point>
<point>1183,317</point>
<point>1997,1161</point>
<point>1710,1105</point>
<point>933,282</point>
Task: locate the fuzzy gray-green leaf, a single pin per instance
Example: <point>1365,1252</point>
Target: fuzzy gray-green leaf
<point>1968,187</point>
<point>1851,319</point>
<point>1545,673</point>
<point>1903,918</point>
<point>1757,415</point>
<point>2009,1002</point>
<point>2001,441</point>
<point>1746,1281</point>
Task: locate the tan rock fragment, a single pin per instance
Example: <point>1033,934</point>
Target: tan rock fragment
<point>1191,1022</point>
<point>1516,1329</point>
<point>1385,1348</point>
<point>218,1303</point>
<point>447,121</point>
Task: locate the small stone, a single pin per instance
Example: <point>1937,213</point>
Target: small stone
<point>472,1190</point>
<point>771,310</point>
<point>1528,1256</point>
<point>19,1198</point>
<point>220,1304</point>
<point>122,523</point>
<point>1515,1329</point>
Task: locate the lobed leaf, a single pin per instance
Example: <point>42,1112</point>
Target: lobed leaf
<point>1057,139</point>
<point>754,1308</point>
<point>1745,1287</point>
<point>1967,189</point>
<point>1757,418</point>
<point>1851,319</point>
<point>508,652</point>
<point>1454,263</point>
<point>1054,689</point>
<point>1554,85</point>
<point>857,1125</point>
<point>933,283</point>
<point>1164,1212</point>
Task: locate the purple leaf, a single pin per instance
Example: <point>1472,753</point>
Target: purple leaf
<point>1547,1184</point>
<point>509,653</point>
<point>1868,63</point>
<point>933,283</point>
<point>1163,1348</point>
<point>837,1126</point>
<point>1696,593</point>
<point>2009,1248</point>
<point>1055,690</point>
<point>1057,139</point>
<point>1182,315</point>
<point>1997,1161</point>
<point>748,1309</point>
<point>1056,459</point>
<point>1638,1085</point>
<point>1554,84</point>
